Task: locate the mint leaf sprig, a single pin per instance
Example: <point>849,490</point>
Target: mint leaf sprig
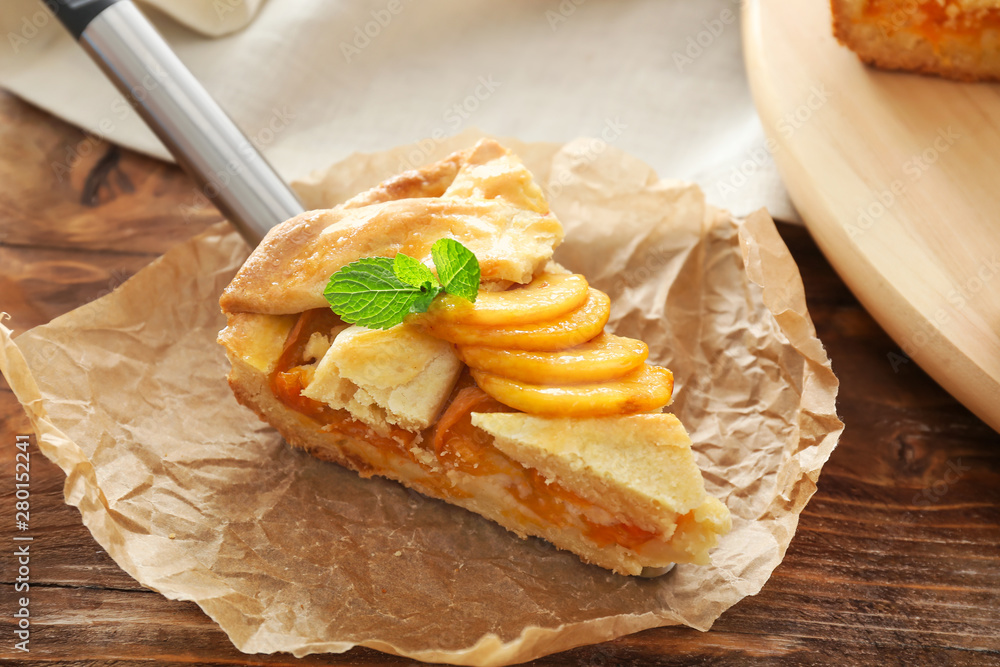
<point>379,292</point>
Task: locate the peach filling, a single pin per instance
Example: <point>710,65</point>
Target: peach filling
<point>454,441</point>
<point>930,19</point>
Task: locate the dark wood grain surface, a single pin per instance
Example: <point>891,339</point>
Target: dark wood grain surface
<point>896,560</point>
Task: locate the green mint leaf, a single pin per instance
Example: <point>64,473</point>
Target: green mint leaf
<point>412,272</point>
<point>457,268</point>
<point>379,292</point>
<point>423,302</point>
<point>368,292</point>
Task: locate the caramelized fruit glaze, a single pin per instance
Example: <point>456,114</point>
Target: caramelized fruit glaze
<point>930,19</point>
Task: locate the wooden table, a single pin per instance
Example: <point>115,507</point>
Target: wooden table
<point>896,560</point>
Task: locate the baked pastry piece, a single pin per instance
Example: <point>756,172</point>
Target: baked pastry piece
<point>958,39</point>
<point>518,407</point>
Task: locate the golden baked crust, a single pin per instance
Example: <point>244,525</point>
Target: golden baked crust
<point>957,39</point>
<point>504,222</point>
<point>623,493</point>
<point>637,465</point>
<point>398,376</point>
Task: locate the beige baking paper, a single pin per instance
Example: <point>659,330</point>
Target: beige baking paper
<point>197,499</point>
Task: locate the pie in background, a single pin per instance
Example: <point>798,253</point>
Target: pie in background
<point>957,39</point>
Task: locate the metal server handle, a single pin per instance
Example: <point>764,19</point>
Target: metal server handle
<point>199,134</point>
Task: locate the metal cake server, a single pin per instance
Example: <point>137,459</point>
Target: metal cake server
<point>197,132</point>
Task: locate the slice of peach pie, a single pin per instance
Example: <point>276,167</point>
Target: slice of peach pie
<point>512,401</point>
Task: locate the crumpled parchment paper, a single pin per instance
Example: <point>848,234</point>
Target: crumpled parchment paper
<point>197,499</point>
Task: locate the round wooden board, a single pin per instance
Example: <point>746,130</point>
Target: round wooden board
<point>897,177</point>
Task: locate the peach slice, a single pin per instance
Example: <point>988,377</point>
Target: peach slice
<point>545,298</point>
<point>604,358</point>
<point>644,389</point>
<point>577,326</point>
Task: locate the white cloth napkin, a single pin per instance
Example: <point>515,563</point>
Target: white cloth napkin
<point>311,81</point>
